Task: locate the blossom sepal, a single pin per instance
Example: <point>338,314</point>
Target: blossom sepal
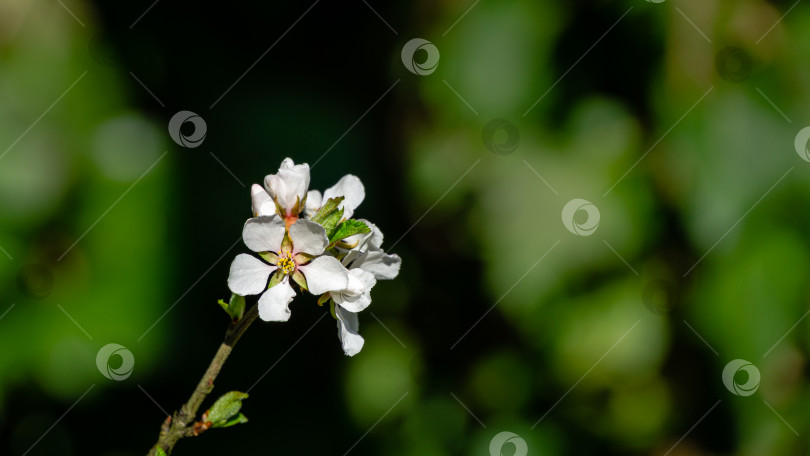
<point>324,298</point>
<point>235,308</point>
<point>270,257</point>
<point>300,280</point>
<point>298,208</point>
<point>275,279</point>
<point>346,245</point>
<point>238,419</point>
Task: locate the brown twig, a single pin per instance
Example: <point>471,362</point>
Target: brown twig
<point>181,424</point>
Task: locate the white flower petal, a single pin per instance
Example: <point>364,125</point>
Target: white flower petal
<point>274,303</point>
<point>357,294</point>
<point>350,258</point>
<point>348,331</point>
<point>314,202</point>
<point>382,265</point>
<point>351,189</point>
<point>278,187</point>
<point>324,274</point>
<point>308,237</point>
<point>353,303</point>
<point>287,163</point>
<point>375,239</point>
<point>289,185</point>
<point>360,281</point>
<point>275,186</point>
<point>248,275</point>
<point>264,234</point>
<point>268,208</point>
<point>258,197</point>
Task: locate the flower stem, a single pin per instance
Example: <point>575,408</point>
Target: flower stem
<point>181,424</point>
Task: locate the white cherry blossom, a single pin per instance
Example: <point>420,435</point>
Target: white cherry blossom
<point>299,257</point>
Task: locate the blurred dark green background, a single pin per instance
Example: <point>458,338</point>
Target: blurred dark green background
<point>676,119</point>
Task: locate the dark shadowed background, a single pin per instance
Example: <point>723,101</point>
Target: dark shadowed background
<point>600,206</point>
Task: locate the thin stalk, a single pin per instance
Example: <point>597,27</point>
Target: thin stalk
<point>181,424</point>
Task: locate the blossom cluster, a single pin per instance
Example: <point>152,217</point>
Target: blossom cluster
<point>308,240</point>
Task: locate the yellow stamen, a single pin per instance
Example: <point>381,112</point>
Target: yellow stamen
<point>286,264</point>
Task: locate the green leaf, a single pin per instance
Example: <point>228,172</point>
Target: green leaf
<point>159,451</point>
<point>327,209</point>
<point>238,419</point>
<point>225,408</point>
<point>348,228</point>
<point>235,308</point>
<point>331,221</point>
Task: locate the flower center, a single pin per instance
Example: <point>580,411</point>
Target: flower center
<point>286,264</point>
